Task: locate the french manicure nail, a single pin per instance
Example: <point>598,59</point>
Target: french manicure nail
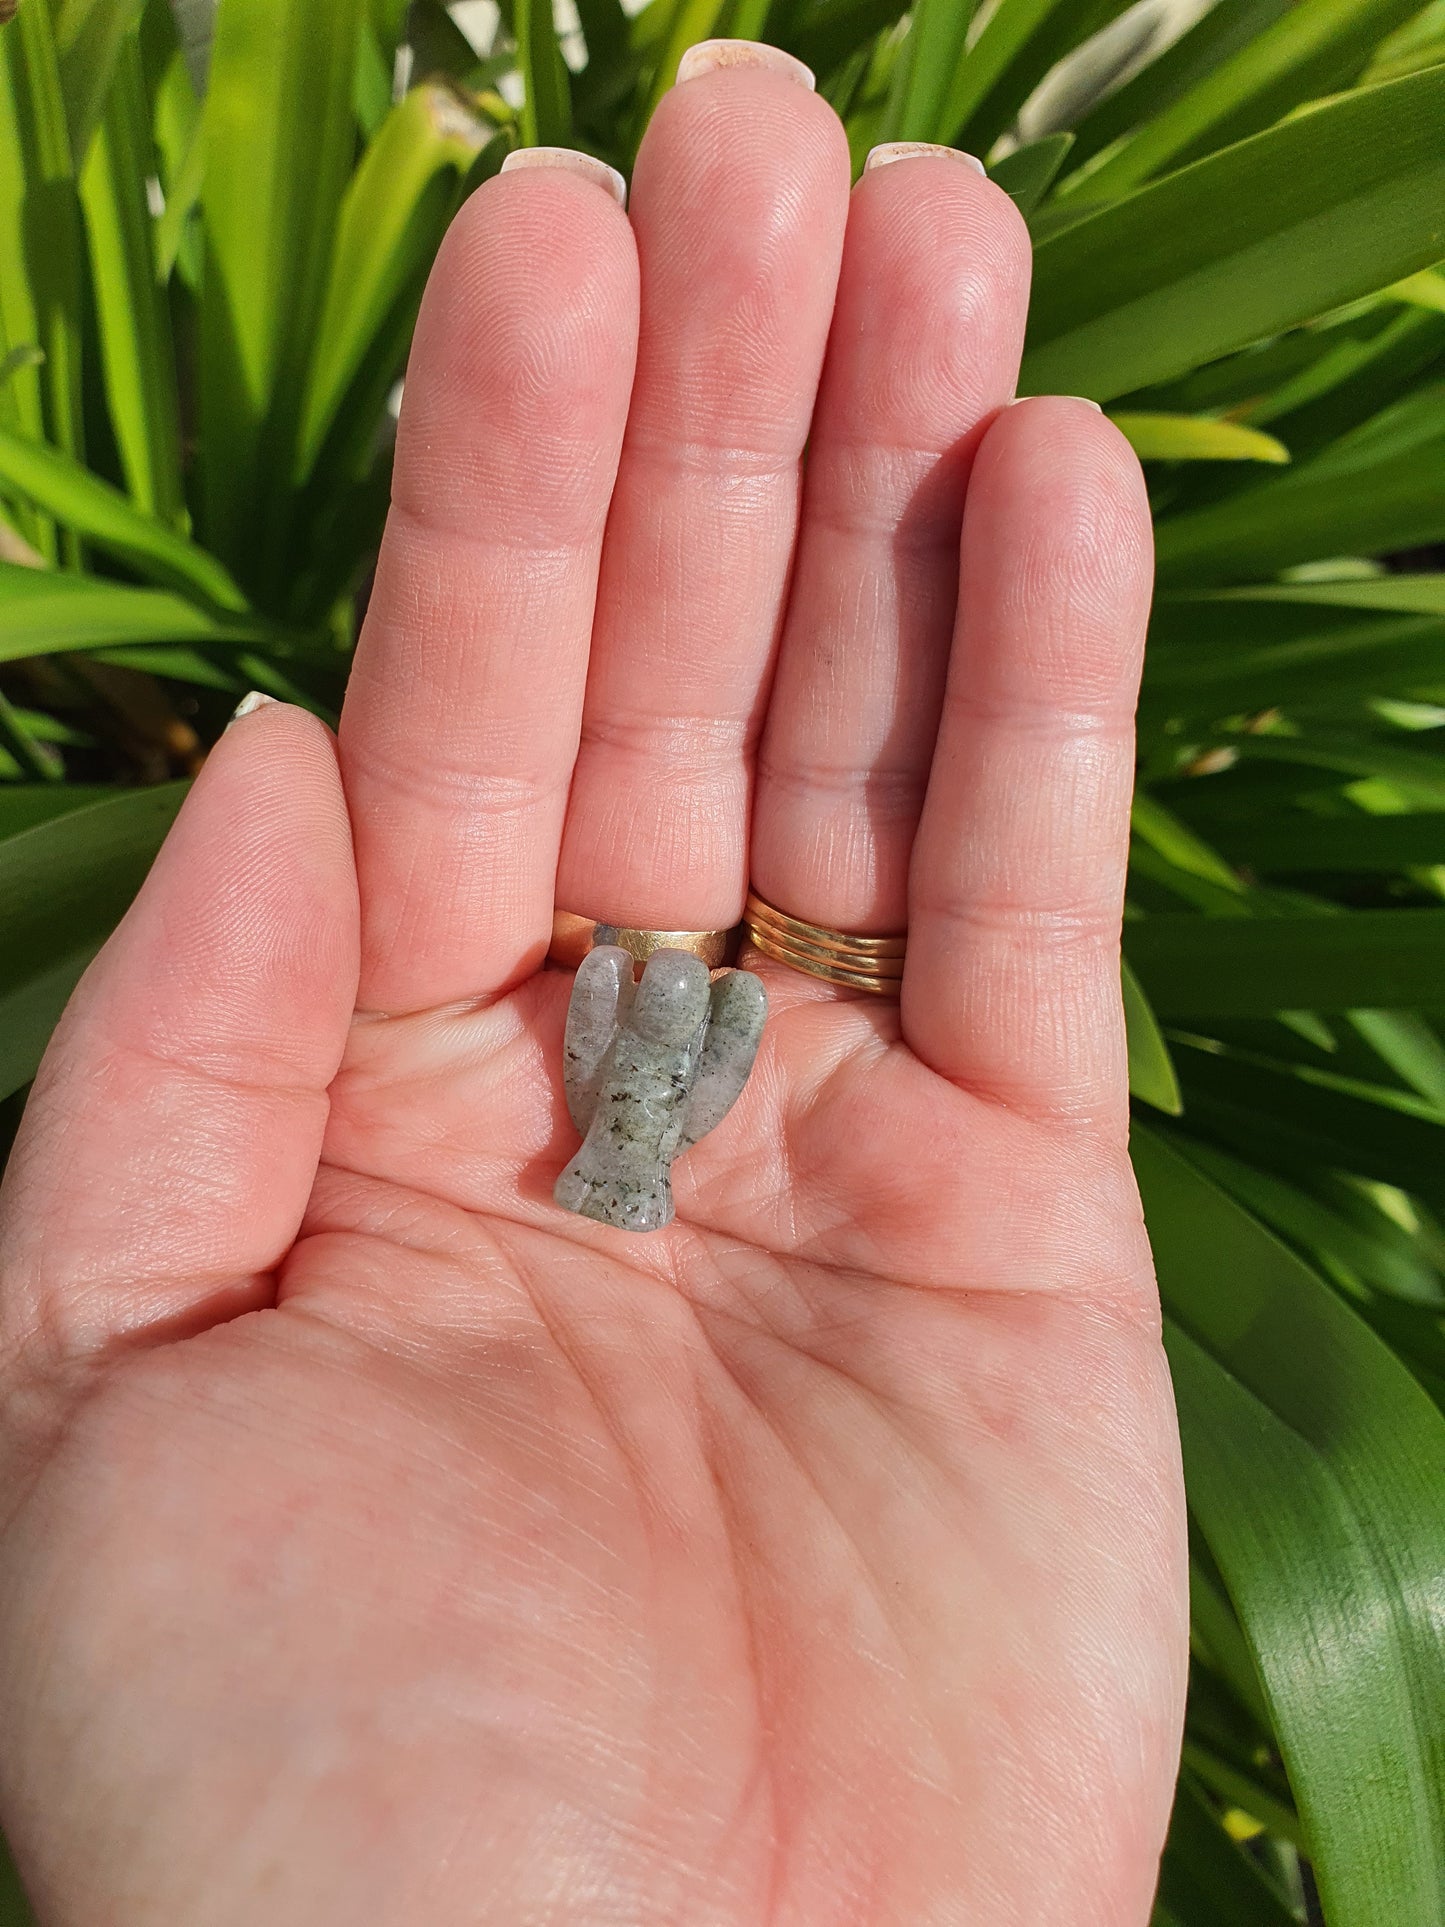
<point>249,704</point>
<point>575,161</point>
<point>708,55</point>
<point>887,151</point>
<point>1087,400</point>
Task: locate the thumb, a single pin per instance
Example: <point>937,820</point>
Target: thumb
<point>172,1137</point>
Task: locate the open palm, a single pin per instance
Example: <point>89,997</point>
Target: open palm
<point>383,1543</point>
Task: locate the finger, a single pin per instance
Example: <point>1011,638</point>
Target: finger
<point>462,715</point>
<point>924,349</point>
<point>171,1141</point>
<point>739,202</point>
<point>1012,979</point>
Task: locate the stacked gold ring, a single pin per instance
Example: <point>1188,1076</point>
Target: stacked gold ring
<point>862,963</point>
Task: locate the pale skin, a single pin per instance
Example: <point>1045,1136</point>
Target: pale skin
<point>381,1543</point>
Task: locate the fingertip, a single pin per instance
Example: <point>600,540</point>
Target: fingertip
<point>749,121</point>
<point>1059,459</point>
<point>529,324</point>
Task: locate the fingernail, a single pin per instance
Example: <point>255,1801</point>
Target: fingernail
<point>708,55</point>
<point>249,704</point>
<point>1087,400</point>
<point>886,151</point>
<point>576,162</point>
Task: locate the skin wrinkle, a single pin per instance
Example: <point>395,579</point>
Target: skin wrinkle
<point>876,1590</point>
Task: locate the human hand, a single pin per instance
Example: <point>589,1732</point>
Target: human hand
<point>382,1542</point>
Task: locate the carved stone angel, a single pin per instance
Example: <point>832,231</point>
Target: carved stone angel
<point>650,1068</point>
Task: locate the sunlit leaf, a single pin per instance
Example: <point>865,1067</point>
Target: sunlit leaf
<point>1316,1468</point>
<point>1197,438</point>
<point>1296,220</point>
<point>64,884</point>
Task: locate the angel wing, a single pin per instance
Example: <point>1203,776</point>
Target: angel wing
<point>601,998</point>
<point>738,1009</point>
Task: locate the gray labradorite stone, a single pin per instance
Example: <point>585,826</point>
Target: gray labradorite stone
<point>650,1068</point>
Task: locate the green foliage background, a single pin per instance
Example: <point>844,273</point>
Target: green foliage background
<point>210,260</point>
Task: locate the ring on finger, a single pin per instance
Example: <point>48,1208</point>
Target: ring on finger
<point>573,936</point>
<point>874,964</point>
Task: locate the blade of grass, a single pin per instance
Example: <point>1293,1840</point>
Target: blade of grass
<point>40,236</point>
<point>65,884</point>
<point>1020,42</point>
<point>70,493</point>
<point>42,612</point>
<point>1383,485</point>
<point>392,221</point>
<point>89,35</point>
<point>1197,438</point>
<point>1315,1463</point>
<point>926,67</point>
<point>1251,967</point>
<point>1151,1069</point>
<point>1313,48</point>
<point>1225,28</point>
<point>546,115</point>
<point>1027,174</point>
<point>136,350</point>
<point>1251,241</point>
<point>279,137</point>
<point>1205,1879</point>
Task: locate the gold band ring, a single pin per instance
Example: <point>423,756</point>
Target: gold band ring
<point>574,936</point>
<point>862,963</point>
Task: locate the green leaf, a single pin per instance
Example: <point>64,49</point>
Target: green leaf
<point>40,245</point>
<point>1414,771</point>
<point>1197,438</point>
<point>1380,487</point>
<point>1205,1880</point>
<point>1151,1069</point>
<point>177,665</point>
<point>682,22</point>
<point>137,356</point>
<point>926,67</point>
<point>1312,49</point>
<point>23,805</point>
<point>1314,1463</point>
<point>1163,831</point>
<point>183,194</point>
<point>833,38</point>
<point>65,884</point>
<point>392,221</point>
<point>110,520</point>
<point>1410,594</point>
<point>1227,26</point>
<point>1252,967</point>
<point>1220,663</point>
<point>546,115</point>
<point>1027,174</point>
<point>1423,290</point>
<point>1362,843</point>
<point>1020,41</point>
<point>1281,227</point>
<point>279,137</point>
<point>89,35</point>
<point>1320,1230</point>
<point>42,613</point>
<point>1292,1117</point>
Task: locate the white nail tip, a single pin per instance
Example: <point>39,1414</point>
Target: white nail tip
<point>888,151</point>
<point>1087,400</point>
<point>573,161</point>
<point>707,56</point>
<point>249,704</point>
